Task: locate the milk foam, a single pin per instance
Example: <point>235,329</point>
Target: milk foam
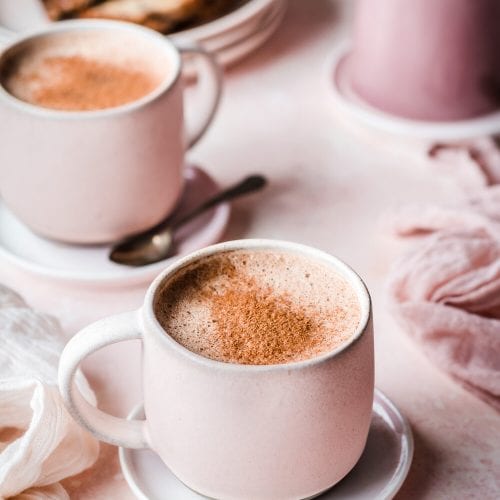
<point>24,69</point>
<point>184,304</point>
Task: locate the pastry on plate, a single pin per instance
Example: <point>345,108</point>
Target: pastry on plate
<point>161,15</point>
<point>60,9</point>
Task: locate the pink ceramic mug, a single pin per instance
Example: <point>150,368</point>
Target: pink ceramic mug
<point>97,176</point>
<point>427,59</point>
<point>232,431</point>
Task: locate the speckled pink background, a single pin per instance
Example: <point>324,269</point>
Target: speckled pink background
<point>328,188</point>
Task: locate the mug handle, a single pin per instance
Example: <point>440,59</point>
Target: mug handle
<point>105,427</point>
<point>209,76</point>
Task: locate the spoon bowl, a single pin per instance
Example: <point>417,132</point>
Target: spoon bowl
<point>143,249</point>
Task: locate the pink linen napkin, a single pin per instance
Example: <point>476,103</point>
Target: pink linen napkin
<point>446,290</point>
<point>475,163</point>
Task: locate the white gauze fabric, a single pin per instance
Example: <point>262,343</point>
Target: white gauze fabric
<point>40,443</point>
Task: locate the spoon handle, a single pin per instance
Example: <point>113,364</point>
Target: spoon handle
<point>248,185</point>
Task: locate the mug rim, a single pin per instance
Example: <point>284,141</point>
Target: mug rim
<point>76,25</point>
<point>150,323</point>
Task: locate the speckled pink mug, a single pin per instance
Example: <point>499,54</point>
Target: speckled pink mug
<point>97,176</point>
<point>230,431</point>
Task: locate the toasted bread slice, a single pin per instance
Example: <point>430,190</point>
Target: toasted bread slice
<point>59,9</point>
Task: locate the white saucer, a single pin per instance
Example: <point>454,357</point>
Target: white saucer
<point>90,264</point>
<point>235,26</point>
<point>352,105</point>
<point>378,475</point>
<point>238,43</point>
<point>236,51</point>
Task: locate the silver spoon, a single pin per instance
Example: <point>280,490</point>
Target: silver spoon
<point>156,243</point>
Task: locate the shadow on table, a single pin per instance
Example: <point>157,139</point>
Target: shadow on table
<point>425,462</point>
<point>239,224</point>
<point>103,474</point>
<point>303,22</point>
<point>245,211</point>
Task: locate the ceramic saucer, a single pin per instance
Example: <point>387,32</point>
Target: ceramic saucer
<point>240,43</point>
<point>346,99</point>
<point>378,475</point>
<point>236,51</point>
<point>90,264</point>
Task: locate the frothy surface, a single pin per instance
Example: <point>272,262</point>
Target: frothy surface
<point>82,71</point>
<point>258,307</point>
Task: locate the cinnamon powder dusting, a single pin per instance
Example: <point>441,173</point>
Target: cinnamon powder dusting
<point>244,308</point>
<point>253,327</point>
<point>79,83</point>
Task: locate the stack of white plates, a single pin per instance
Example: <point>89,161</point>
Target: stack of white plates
<point>230,37</point>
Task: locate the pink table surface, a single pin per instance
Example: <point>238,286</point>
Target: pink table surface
<point>328,189</point>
